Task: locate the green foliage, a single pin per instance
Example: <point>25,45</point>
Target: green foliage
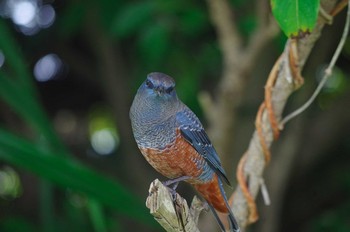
<point>295,16</point>
<point>248,24</point>
<point>69,173</point>
<point>10,224</point>
<point>46,156</point>
<point>161,31</point>
<point>332,220</point>
<point>193,21</point>
<point>337,178</point>
<point>334,89</point>
<point>72,18</point>
<point>174,37</point>
<point>97,217</point>
<point>154,42</point>
<point>19,91</point>
<point>132,17</point>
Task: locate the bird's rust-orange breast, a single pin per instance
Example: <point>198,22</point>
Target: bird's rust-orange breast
<point>177,159</point>
<point>181,159</point>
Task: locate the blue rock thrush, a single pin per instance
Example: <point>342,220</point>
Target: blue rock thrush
<point>173,141</point>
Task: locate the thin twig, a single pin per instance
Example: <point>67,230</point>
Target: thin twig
<point>268,102</point>
<point>326,16</point>
<point>339,7</point>
<point>327,73</point>
<point>253,211</point>
<point>260,132</point>
<point>265,194</point>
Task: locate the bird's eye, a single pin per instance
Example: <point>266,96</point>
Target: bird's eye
<point>149,84</point>
<point>170,89</point>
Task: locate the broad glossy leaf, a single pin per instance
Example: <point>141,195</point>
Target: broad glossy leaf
<point>295,16</point>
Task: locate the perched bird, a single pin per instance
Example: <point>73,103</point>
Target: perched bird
<point>173,141</point>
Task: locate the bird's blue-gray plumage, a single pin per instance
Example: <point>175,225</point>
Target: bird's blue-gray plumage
<point>160,121</point>
<point>194,133</point>
<point>153,113</point>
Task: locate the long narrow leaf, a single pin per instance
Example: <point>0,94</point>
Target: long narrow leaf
<point>97,216</point>
<point>46,195</point>
<point>71,174</point>
<point>29,109</point>
<point>16,60</point>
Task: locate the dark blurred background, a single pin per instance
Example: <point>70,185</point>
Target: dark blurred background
<point>68,73</point>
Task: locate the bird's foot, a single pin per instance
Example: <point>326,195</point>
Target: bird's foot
<point>173,183</point>
<point>172,192</point>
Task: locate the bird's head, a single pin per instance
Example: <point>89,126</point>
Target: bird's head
<point>159,86</point>
<point>156,98</point>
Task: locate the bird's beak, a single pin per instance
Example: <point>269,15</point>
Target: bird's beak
<point>159,91</point>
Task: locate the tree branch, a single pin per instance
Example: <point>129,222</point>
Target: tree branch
<point>238,62</point>
<point>173,215</point>
<point>284,85</point>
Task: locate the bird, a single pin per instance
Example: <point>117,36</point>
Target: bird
<point>173,141</point>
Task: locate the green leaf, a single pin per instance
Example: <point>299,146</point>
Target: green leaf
<point>97,215</point>
<point>15,60</point>
<point>154,42</point>
<point>18,90</point>
<point>68,173</point>
<point>193,21</point>
<point>295,16</point>
<point>30,110</point>
<point>17,223</point>
<point>46,198</point>
<point>132,18</point>
<point>71,19</point>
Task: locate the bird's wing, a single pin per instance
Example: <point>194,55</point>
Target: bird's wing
<point>194,133</point>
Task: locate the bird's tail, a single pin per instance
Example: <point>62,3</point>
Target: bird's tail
<point>213,192</point>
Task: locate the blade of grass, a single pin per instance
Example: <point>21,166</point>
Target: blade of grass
<point>14,97</point>
<point>69,173</point>
<point>16,60</point>
<point>30,110</point>
<point>96,215</point>
<point>46,206</point>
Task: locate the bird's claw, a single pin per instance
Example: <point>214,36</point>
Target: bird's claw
<point>173,183</point>
<point>172,188</point>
